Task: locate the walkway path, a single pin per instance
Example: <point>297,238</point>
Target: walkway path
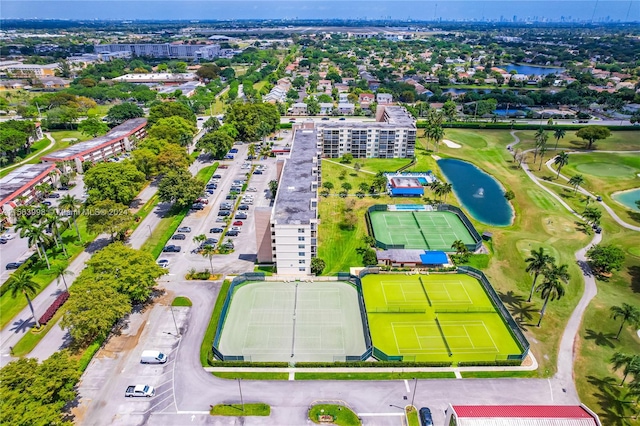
<point>348,167</point>
<point>564,374</point>
<point>52,142</point>
<point>587,193</point>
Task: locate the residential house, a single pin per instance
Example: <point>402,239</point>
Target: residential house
<point>346,108</point>
<point>384,98</point>
<point>299,108</point>
<point>326,108</point>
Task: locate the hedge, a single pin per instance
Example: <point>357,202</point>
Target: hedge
<point>51,310</point>
<point>506,362</point>
<point>521,126</point>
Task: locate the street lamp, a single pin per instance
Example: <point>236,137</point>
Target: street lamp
<point>241,399</point>
<point>174,321</point>
<point>415,386</point>
<point>149,226</point>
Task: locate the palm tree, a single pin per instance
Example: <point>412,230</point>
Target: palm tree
<point>71,204</point>
<point>38,236</point>
<point>558,134</point>
<point>25,227</point>
<point>561,160</point>
<point>537,263</point>
<point>592,214</point>
<point>445,189</point>
<point>208,252</point>
<point>22,282</point>
<point>199,238</point>
<point>576,181</point>
<point>438,135</point>
<point>540,139</point>
<point>60,272</point>
<point>251,150</point>
<point>628,313</point>
<point>552,287</point>
<point>53,221</point>
<point>543,150</point>
<point>631,364</point>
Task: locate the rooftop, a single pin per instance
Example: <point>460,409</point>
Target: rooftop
<point>524,415</point>
<point>80,148</point>
<point>21,177</point>
<point>158,76</point>
<point>293,201</point>
<point>399,115</point>
<point>358,125</point>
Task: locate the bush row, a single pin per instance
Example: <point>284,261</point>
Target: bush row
<point>378,364</point>
<point>522,126</point>
<point>216,363</point>
<point>51,310</point>
<point>504,362</point>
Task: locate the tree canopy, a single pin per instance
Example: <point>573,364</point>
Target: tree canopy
<point>119,182</point>
<point>178,186</point>
<point>248,117</point>
<point>591,134</point>
<point>605,258</point>
<point>118,114</point>
<point>169,109</point>
<point>216,143</point>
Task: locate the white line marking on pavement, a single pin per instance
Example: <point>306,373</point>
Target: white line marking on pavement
<point>292,375</point>
<point>381,414</point>
<point>457,373</point>
<point>406,385</point>
<point>192,412</point>
<point>550,389</point>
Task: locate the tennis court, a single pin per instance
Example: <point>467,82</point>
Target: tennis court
<point>277,321</point>
<point>435,318</point>
<point>428,230</point>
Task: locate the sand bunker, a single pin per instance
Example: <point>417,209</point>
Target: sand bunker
<point>451,144</point>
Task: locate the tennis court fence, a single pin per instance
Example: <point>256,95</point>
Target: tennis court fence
<point>467,310</point>
<point>398,310</point>
<point>467,223</point>
<point>511,324</point>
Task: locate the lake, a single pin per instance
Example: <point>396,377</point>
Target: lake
<point>533,69</point>
<point>480,194</point>
<point>628,198</point>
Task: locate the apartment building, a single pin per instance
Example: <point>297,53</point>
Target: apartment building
<point>20,70</point>
<point>393,135</point>
<point>163,50</point>
<point>117,141</point>
<point>19,186</point>
<point>294,217</point>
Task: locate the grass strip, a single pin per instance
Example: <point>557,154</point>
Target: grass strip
<point>163,232</point>
<point>497,374</point>
<point>181,301</point>
<point>205,173</point>
<point>145,210</point>
<point>342,416</point>
<point>375,376</point>
<point>412,415</point>
<point>240,410</point>
<point>88,354</point>
<point>207,341</point>
<point>251,376</point>
<point>9,306</point>
<point>31,339</point>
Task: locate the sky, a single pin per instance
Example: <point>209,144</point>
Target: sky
<point>598,10</point>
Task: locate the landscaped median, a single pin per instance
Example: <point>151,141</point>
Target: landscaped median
<point>241,410</point>
<point>333,414</point>
<point>412,415</point>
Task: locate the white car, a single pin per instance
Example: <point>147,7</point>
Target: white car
<point>8,236</point>
<point>252,189</point>
<point>236,228</point>
<point>164,263</point>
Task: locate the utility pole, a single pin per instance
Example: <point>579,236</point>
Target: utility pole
<point>241,399</point>
<point>174,321</point>
<point>415,386</point>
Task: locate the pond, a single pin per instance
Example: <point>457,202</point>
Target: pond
<point>510,112</point>
<point>533,69</point>
<point>480,194</point>
<point>628,198</point>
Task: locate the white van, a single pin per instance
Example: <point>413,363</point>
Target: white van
<point>153,357</point>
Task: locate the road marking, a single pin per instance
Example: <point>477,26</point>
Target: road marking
<point>381,414</point>
<point>550,389</point>
<point>406,385</point>
<point>193,412</point>
<point>292,375</point>
<point>457,373</point>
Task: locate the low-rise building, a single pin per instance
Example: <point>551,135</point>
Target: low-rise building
<point>384,98</point>
<point>299,108</point>
<point>525,415</point>
<point>326,108</point>
<point>346,108</point>
<point>20,70</point>
<point>163,50</point>
<point>19,186</point>
<point>188,89</point>
<point>117,141</point>
<point>157,77</point>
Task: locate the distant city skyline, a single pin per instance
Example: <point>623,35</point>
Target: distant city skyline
<point>420,10</point>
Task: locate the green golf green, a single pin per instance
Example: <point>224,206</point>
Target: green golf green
<point>435,318</point>
<point>421,230</point>
<point>606,169</point>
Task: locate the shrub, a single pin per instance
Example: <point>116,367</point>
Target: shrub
<point>51,310</point>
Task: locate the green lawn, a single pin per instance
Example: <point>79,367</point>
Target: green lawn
<point>412,416</point>
<point>238,410</point>
<point>35,148</point>
<point>30,339</point>
<point>342,416</point>
<point>252,376</point>
<point>497,374</point>
<point>10,307</point>
<point>626,140</point>
<point>210,333</point>
<point>374,376</point>
<point>181,301</point>
<point>163,231</point>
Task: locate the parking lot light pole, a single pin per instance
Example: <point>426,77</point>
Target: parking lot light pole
<point>174,321</point>
<point>415,386</point>
<point>149,226</point>
<point>241,399</point>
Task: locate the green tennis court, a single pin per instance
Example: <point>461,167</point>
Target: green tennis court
<point>277,321</point>
<point>435,318</point>
<point>422,230</point>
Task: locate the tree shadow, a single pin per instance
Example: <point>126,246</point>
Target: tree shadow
<point>600,338</point>
<point>612,400</point>
<point>635,216</point>
<point>22,326</point>
<point>634,271</point>
<point>521,310</point>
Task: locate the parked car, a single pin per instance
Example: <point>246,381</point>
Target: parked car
<point>8,236</point>
<point>164,263</point>
<point>342,118</point>
<point>220,219</point>
<point>233,150</point>
<point>140,390</point>
<point>211,186</point>
<point>179,237</point>
<point>224,213</point>
<point>47,203</point>
<point>598,198</point>
<point>64,188</point>
<point>325,118</point>
<point>425,417</point>
<point>210,191</point>
<point>257,172</point>
<point>252,189</point>
<point>243,207</point>
<point>231,197</point>
<point>241,216</point>
<point>222,166</point>
<point>231,233</point>
<point>197,206</point>
<point>217,176</point>
<point>236,228</point>
<point>53,195</point>
<point>228,246</point>
<point>13,265</point>
<point>171,249</point>
<point>216,230</point>
<point>228,157</point>
<point>184,229</point>
<point>153,357</point>
<point>202,200</point>
<point>3,241</point>
<point>226,206</point>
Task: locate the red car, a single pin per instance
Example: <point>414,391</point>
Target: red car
<point>223,166</point>
<point>237,223</point>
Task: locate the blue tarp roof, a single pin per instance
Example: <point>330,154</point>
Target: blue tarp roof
<point>433,258</point>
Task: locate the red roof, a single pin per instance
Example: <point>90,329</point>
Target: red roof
<point>523,411</point>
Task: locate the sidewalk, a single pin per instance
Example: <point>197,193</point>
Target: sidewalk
<point>22,322</point>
